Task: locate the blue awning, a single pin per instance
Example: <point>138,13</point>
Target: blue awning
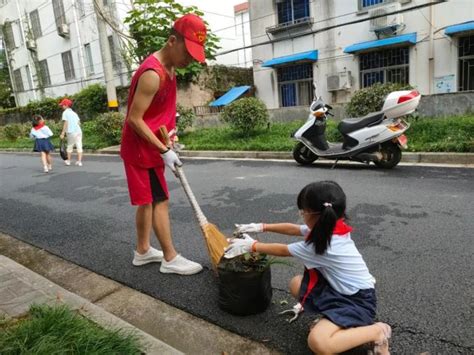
<point>229,96</point>
<point>409,38</point>
<point>460,27</point>
<point>298,57</point>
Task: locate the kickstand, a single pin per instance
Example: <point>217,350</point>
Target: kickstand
<point>335,163</point>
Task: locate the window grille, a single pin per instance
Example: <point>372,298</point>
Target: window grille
<point>89,62</point>
<point>35,24</point>
<point>363,4</point>
<point>44,73</point>
<point>59,15</point>
<point>295,83</point>
<point>68,66</point>
<point>8,36</point>
<point>28,77</point>
<point>466,63</point>
<point>18,80</point>
<point>385,66</point>
<point>291,10</point>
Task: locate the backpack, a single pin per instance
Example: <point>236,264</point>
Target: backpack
<point>62,149</point>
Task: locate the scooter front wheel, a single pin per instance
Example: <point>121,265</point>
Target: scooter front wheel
<point>303,155</point>
<point>391,155</point>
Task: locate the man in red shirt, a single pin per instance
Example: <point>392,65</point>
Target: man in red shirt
<point>152,104</point>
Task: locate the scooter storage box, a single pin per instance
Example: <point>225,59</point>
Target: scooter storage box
<point>401,103</point>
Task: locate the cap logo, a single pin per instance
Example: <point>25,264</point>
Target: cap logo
<point>200,36</point>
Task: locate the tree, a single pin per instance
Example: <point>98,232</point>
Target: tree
<point>149,24</point>
<point>5,83</point>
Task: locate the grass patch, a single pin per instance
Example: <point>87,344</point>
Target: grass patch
<point>59,330</point>
<point>453,134</point>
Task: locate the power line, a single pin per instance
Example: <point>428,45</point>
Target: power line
<point>327,28</point>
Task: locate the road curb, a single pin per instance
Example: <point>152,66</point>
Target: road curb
<point>414,158</point>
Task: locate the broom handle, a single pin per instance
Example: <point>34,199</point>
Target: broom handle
<point>187,189</point>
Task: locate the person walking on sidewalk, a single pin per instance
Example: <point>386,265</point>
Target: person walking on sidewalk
<point>42,135</point>
<point>152,104</point>
<point>336,281</point>
<point>72,128</point>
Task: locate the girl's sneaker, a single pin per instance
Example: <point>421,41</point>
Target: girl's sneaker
<point>79,163</point>
<point>50,167</point>
<point>45,168</point>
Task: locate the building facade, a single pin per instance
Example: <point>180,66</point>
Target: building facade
<point>343,46</point>
<point>53,46</point>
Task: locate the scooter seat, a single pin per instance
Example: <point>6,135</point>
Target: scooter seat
<point>349,125</point>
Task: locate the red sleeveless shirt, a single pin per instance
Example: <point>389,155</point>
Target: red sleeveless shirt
<point>162,111</point>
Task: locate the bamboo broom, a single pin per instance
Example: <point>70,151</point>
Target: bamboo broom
<point>216,242</point>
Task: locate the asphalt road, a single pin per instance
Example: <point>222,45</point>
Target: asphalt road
<point>413,225</point>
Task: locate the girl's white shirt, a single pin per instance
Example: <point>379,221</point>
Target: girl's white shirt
<point>43,132</point>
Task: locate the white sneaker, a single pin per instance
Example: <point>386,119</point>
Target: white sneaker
<point>180,265</point>
<point>79,163</point>
<point>45,168</point>
<point>67,162</point>
<point>151,256</point>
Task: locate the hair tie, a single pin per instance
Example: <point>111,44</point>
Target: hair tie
<point>327,204</point>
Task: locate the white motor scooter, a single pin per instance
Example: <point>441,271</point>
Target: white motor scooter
<point>377,137</point>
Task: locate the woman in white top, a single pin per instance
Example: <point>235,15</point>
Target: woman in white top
<point>42,134</point>
<point>336,282</point>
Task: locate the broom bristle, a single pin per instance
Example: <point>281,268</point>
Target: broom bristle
<point>216,243</point>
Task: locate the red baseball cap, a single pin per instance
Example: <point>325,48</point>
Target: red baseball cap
<point>65,102</point>
<point>194,31</point>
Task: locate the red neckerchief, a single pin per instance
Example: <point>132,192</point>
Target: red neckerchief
<point>341,228</point>
<point>41,125</point>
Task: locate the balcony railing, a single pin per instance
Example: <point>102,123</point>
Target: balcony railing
<point>303,21</point>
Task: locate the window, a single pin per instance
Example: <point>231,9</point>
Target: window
<point>89,62</point>
<point>44,77</point>
<point>368,3</point>
<point>294,83</point>
<point>35,24</point>
<point>18,80</point>
<point>68,65</point>
<point>8,36</point>
<point>59,16</point>
<point>386,66</point>
<point>113,53</point>
<point>292,10</point>
<point>466,63</point>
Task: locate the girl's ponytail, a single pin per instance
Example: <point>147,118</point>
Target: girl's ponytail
<point>327,198</point>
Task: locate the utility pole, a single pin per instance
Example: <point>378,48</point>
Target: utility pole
<point>112,102</point>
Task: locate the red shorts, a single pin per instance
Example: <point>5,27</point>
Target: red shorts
<point>146,185</point>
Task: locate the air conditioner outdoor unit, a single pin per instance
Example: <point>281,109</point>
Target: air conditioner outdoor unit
<point>339,81</point>
<point>63,30</point>
<point>31,44</point>
<point>388,21</point>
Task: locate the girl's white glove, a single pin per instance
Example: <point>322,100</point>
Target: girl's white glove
<point>249,228</point>
<point>171,159</point>
<point>239,246</point>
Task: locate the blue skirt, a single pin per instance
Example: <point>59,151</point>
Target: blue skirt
<point>43,145</point>
<point>346,311</point>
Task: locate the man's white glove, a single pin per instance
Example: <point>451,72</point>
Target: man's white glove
<point>249,228</point>
<point>239,246</point>
<point>171,159</point>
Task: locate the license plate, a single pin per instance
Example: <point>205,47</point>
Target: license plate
<point>403,140</point>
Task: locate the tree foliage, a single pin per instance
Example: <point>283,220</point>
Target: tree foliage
<point>149,24</point>
<point>246,115</point>
<point>5,84</point>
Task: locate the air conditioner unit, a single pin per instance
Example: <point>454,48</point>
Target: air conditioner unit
<point>385,21</point>
<point>31,44</point>
<point>339,81</point>
<point>63,30</point>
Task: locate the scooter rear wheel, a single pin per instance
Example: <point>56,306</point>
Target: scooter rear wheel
<point>303,155</point>
<point>392,155</point>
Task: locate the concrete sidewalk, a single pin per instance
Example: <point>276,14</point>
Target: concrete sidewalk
<point>21,287</point>
<point>32,275</point>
